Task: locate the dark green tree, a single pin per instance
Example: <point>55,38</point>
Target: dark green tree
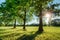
<point>39,6</point>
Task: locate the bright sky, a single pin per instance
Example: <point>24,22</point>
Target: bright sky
<point>56,1</point>
<point>2,1</point>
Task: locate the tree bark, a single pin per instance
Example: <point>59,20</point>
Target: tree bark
<point>15,23</point>
<point>40,29</point>
<point>24,19</point>
<point>6,24</point>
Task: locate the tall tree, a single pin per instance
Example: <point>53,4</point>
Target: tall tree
<point>39,6</point>
<point>24,7</point>
<point>9,12</point>
<point>16,6</point>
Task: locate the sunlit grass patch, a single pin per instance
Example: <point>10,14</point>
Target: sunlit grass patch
<point>50,33</point>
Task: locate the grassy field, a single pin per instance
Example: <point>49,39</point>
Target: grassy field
<point>50,33</point>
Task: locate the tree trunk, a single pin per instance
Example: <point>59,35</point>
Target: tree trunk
<point>40,21</point>
<point>15,23</point>
<point>6,24</point>
<point>24,19</point>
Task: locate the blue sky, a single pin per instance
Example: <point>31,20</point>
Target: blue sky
<point>56,1</point>
<point>2,1</point>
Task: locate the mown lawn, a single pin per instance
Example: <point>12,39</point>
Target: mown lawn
<point>50,33</point>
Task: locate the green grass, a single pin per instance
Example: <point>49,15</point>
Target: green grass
<point>50,33</point>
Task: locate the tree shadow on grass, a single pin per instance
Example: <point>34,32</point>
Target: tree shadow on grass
<point>0,39</point>
<point>29,37</point>
<point>11,35</point>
